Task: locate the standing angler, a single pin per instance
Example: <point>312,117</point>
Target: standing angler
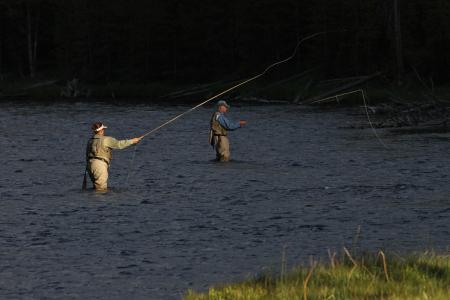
<point>218,133</point>
<point>99,155</point>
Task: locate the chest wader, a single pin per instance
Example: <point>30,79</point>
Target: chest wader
<point>218,139</point>
<point>96,150</point>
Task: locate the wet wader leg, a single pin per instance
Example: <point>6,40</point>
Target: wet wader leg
<point>98,171</point>
<point>223,149</point>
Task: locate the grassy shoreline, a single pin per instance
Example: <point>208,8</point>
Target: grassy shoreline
<point>375,276</point>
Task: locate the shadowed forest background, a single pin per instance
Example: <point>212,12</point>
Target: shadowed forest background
<point>181,42</point>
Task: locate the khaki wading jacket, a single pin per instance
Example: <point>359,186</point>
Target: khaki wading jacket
<point>100,147</point>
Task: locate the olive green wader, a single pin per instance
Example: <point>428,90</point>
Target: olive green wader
<point>218,139</point>
<point>98,158</point>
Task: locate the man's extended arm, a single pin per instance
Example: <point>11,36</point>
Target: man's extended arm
<point>112,143</point>
<point>227,124</point>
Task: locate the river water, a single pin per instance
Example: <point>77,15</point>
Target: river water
<point>299,180</point>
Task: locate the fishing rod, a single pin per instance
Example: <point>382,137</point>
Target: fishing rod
<point>294,53</point>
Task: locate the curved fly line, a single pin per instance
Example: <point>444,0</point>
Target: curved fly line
<point>294,53</point>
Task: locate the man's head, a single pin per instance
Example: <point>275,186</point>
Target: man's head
<point>222,106</point>
<point>99,128</point>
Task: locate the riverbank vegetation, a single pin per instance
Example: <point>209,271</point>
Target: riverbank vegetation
<point>425,276</point>
<point>149,49</point>
<point>297,90</point>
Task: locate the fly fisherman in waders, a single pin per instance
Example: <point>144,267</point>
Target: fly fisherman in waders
<point>99,155</point>
<point>220,126</point>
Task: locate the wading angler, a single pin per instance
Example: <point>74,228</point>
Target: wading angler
<point>99,155</point>
<point>218,134</point>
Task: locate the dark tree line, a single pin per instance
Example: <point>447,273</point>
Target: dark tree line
<point>142,40</point>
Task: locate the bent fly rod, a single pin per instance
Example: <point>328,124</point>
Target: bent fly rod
<point>294,53</point>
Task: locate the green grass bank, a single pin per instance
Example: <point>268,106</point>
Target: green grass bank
<point>425,276</point>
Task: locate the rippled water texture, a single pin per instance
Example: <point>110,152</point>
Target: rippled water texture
<point>298,180</point>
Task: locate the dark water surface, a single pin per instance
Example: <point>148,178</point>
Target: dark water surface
<point>183,221</point>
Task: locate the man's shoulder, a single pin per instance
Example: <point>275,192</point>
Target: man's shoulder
<point>216,115</point>
<point>108,139</point>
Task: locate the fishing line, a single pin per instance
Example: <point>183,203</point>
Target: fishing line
<point>370,121</point>
<point>366,110</point>
<point>237,85</point>
<point>294,53</point>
